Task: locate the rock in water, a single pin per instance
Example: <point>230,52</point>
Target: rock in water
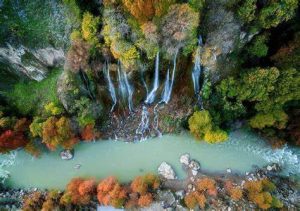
<point>185,159</point>
<point>166,171</point>
<point>195,167</point>
<point>67,154</point>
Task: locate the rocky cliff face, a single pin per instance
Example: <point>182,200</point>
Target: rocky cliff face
<point>224,34</point>
<point>33,63</point>
<point>33,37</point>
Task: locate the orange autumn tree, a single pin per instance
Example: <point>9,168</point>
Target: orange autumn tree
<point>205,188</point>
<point>145,10</point>
<point>58,132</point>
<point>110,192</point>
<point>235,192</point>
<point>143,188</point>
<point>89,133</point>
<point>14,138</point>
<point>79,192</point>
<point>259,192</point>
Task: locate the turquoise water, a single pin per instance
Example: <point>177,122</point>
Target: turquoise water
<point>126,160</point>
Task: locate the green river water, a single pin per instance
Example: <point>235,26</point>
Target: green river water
<point>126,160</point>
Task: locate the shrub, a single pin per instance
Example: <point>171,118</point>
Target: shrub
<point>215,136</point>
<point>53,109</point>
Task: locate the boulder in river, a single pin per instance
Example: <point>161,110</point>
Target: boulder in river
<point>185,159</point>
<point>195,167</point>
<point>67,154</point>
<point>166,171</point>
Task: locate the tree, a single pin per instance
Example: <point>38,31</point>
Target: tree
<point>247,10</point>
<point>258,46</point>
<point>58,132</point>
<point>145,200</point>
<point>79,191</point>
<point>78,55</point>
<point>144,184</point>
<point>145,10</point>
<point>288,56</point>
<point>110,192</point>
<point>275,12</point>
<point>89,28</point>
<point>201,126</point>
<point>89,133</point>
<point>10,140</point>
<point>179,28</point>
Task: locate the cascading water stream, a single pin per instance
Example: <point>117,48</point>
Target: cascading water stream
<point>110,87</point>
<point>169,86</point>
<point>125,88</point>
<point>144,82</point>
<point>143,127</point>
<point>196,73</point>
<point>151,96</point>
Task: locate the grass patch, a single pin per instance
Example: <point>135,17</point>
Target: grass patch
<point>30,97</point>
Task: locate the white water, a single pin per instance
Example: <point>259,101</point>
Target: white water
<point>196,73</point>
<point>110,86</point>
<point>6,161</point>
<point>169,85</point>
<point>126,160</point>
<point>125,88</point>
<point>144,125</point>
<point>151,96</point>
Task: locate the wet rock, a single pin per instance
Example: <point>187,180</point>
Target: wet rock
<point>67,154</point>
<point>166,171</point>
<point>195,167</point>
<point>180,208</point>
<point>228,171</point>
<point>167,198</point>
<point>185,159</point>
<point>180,194</point>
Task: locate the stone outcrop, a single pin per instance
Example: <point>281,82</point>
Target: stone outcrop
<point>33,63</point>
<point>225,35</point>
<point>166,171</point>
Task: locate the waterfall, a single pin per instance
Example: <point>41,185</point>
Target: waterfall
<point>144,124</point>
<point>151,96</point>
<point>125,88</point>
<point>156,120</point>
<point>196,73</point>
<point>144,82</point>
<point>169,86</point>
<point>111,87</point>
